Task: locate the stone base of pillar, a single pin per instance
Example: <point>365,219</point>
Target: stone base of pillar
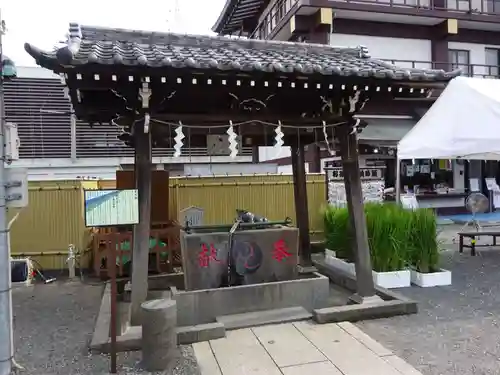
<point>159,336</point>
<point>358,300</point>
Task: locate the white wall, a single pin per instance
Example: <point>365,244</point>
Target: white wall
<point>388,48</point>
<point>287,169</point>
<point>271,153</point>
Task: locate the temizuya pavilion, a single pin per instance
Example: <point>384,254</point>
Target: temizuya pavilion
<point>157,85</point>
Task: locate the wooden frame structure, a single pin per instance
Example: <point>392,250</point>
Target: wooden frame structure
<point>168,89</point>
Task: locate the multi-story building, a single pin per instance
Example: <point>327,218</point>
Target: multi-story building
<point>443,34</point>
<point>55,147</point>
<point>432,34</point>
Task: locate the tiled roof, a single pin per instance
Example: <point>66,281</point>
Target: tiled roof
<point>91,45</point>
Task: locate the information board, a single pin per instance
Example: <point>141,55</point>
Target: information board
<point>111,207</point>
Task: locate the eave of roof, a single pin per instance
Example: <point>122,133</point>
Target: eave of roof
<point>233,15</point>
<point>117,47</point>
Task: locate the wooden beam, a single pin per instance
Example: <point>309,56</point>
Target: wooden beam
<point>301,206</point>
<point>250,119</point>
<point>141,232</point>
<point>352,180</point>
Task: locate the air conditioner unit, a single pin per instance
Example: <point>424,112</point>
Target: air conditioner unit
<point>21,271</point>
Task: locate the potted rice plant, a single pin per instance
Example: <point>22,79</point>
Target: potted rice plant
<point>387,229</point>
<point>338,239</point>
<point>424,255</point>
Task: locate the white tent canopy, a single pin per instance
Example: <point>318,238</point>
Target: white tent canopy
<point>463,123</point>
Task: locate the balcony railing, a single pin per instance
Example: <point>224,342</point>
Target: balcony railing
<point>276,13</point>
<point>470,70</point>
<point>488,7</point>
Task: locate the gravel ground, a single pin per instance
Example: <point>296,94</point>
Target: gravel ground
<point>53,326</point>
<point>455,332</point>
<point>457,328</point>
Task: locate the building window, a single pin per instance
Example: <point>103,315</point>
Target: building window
<point>459,59</point>
<point>463,5</point>
<point>492,6</point>
<point>492,61</point>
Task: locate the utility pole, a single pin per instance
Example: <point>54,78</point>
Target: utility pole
<point>6,331</point>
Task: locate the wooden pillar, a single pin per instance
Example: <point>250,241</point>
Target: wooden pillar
<point>301,209</point>
<point>315,163</point>
<point>140,254</point>
<point>352,180</point>
<point>255,154</point>
<point>439,41</point>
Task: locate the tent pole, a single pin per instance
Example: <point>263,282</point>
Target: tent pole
<point>398,180</point>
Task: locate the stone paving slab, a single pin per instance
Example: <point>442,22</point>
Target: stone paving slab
<point>318,368</point>
<point>299,348</point>
<point>240,352</point>
<point>287,346</point>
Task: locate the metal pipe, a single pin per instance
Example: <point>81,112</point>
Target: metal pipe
<point>287,221</point>
<point>224,184</point>
<point>13,363</point>
<point>114,292</point>
<point>398,180</point>
<point>230,247</point>
<point>47,253</point>
<point>6,353</point>
<point>73,136</point>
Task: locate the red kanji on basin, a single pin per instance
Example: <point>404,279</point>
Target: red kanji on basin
<point>207,254</point>
<point>280,251</point>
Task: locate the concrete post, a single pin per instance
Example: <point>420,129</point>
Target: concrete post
<point>159,336</point>
<point>71,262</point>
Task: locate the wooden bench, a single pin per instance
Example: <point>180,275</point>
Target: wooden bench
<point>473,236</point>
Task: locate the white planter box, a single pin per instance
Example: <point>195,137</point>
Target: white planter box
<point>340,264</point>
<point>425,280</point>
<point>388,280</point>
<point>393,279</point>
<point>330,253</point>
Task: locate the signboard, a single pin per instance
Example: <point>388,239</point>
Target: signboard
<point>191,216</point>
<point>111,207</point>
<point>491,184</point>
<point>372,185</point>
<point>409,201</point>
<point>366,173</point>
<point>474,184</point>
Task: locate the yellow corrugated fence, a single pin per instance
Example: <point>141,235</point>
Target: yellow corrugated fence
<point>267,195</point>
<point>54,218</point>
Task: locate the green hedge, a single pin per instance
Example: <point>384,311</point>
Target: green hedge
<point>398,238</point>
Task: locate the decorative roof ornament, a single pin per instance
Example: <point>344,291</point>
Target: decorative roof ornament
<point>330,150</point>
<point>278,139</point>
<point>233,144</point>
<point>178,140</point>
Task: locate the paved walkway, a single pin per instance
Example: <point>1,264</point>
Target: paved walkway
<point>297,349</point>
